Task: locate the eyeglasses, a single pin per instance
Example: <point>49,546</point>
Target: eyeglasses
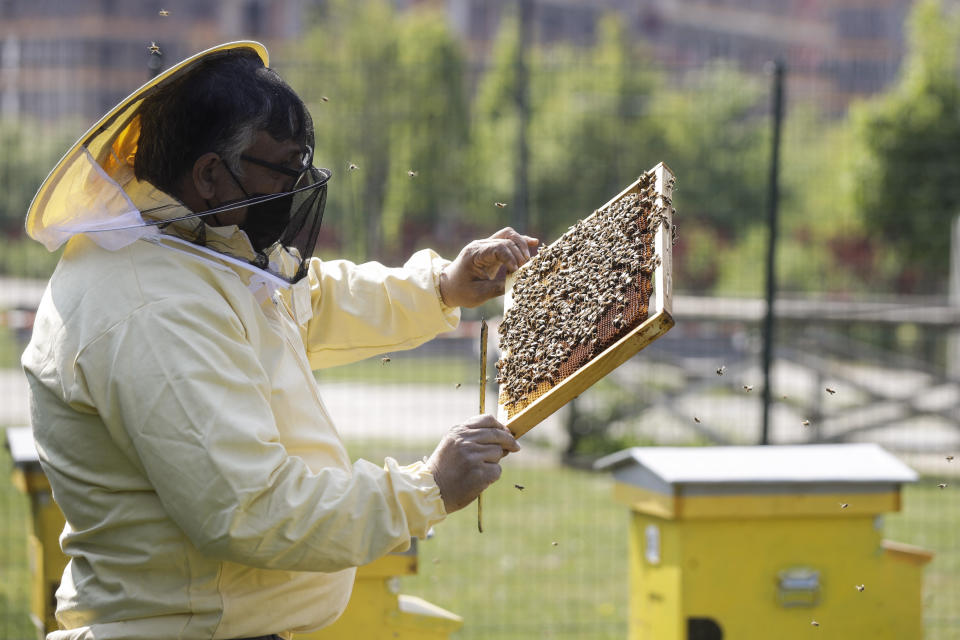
<point>306,161</point>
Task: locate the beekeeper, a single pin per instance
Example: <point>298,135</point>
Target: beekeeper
<point>206,490</point>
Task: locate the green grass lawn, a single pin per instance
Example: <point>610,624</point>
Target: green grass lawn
<point>10,349</point>
<point>405,368</point>
<point>513,582</point>
<point>14,572</point>
<point>931,519</point>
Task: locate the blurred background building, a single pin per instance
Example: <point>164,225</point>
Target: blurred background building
<point>841,48</point>
<point>79,57</point>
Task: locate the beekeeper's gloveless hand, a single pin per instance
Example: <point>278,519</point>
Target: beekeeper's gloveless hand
<point>478,272</point>
<point>467,460</point>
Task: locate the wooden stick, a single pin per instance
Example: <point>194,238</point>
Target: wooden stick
<point>483,403</point>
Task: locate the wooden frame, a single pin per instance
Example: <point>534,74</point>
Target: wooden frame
<point>659,320</point>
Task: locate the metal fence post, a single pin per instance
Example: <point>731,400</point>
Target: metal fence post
<point>773,202</point>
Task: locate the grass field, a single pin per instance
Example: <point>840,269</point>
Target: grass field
<point>405,368</point>
<point>513,582</point>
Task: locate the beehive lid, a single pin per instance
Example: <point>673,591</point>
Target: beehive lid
<point>20,444</point>
<point>756,469</point>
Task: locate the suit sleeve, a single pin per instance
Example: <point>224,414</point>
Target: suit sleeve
<point>364,310</point>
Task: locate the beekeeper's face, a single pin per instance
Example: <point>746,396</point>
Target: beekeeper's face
<point>267,167</point>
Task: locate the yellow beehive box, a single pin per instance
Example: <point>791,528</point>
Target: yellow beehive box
<point>46,523</point>
<point>377,611</point>
<point>767,542</point>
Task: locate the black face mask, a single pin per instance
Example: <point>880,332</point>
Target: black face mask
<point>266,221</point>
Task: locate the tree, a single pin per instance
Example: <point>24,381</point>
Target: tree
<point>715,142</point>
<point>429,137</point>
<point>588,134</point>
<point>27,154</point>
<point>907,180</point>
<point>592,134</point>
<point>386,94</point>
<point>28,151</point>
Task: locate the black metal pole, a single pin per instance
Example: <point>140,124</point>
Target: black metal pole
<point>773,204</point>
<point>154,64</point>
<point>521,197</point>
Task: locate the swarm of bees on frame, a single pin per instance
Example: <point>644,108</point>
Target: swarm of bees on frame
<point>579,295</point>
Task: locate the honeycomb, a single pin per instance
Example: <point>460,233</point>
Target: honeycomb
<point>580,295</point>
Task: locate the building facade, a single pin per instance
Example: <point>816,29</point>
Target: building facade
<point>62,58</point>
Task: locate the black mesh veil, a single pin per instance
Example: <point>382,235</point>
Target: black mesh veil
<point>294,215</point>
<point>299,237</point>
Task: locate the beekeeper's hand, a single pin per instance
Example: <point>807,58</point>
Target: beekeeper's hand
<point>478,272</point>
<point>467,460</point>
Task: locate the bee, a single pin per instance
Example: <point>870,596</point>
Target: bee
<point>748,388</point>
<point>164,13</point>
<point>844,505</point>
<point>942,485</point>
<point>721,370</point>
<point>324,99</point>
<point>555,543</point>
<point>860,588</point>
<point>500,204</point>
<point>384,360</point>
<point>519,487</point>
<point>352,167</point>
<point>805,423</point>
<point>154,49</point>
<point>831,391</point>
<point>457,386</point>
<point>696,419</point>
<point>949,458</point>
<point>412,173</point>
<point>814,623</point>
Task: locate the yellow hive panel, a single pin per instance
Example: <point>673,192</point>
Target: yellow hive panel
<point>587,303</point>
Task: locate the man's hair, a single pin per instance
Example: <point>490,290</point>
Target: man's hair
<point>218,105</point>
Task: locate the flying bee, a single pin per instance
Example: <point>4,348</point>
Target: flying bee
<point>805,423</point>
<point>500,204</point>
<point>164,13</point>
<point>519,487</point>
<point>748,388</point>
<point>949,458</point>
<point>860,588</point>
<point>352,167</point>
<point>412,173</point>
<point>814,623</point>
<point>154,49</point>
<point>844,505</point>
<point>942,485</point>
<point>384,360</point>
<point>696,419</point>
<point>831,391</point>
<point>721,370</point>
<point>324,99</point>
<point>458,386</point>
<point>554,543</point>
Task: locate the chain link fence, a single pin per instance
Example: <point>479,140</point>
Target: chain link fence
<point>862,344</point>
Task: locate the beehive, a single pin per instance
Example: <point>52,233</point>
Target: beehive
<point>587,303</point>
<point>763,541</point>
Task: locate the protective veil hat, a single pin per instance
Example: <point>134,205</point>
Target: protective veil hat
<point>89,191</point>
